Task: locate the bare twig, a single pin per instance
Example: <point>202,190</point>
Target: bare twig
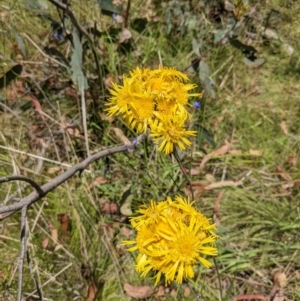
<point>38,289</point>
<point>126,15</point>
<point>23,250</point>
<point>25,179</point>
<point>46,188</point>
<point>41,191</point>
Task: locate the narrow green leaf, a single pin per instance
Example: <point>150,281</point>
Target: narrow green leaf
<point>77,76</point>
<point>204,75</point>
<point>108,7</point>
<point>20,42</point>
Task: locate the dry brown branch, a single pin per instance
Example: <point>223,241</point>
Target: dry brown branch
<point>41,191</point>
<point>46,188</point>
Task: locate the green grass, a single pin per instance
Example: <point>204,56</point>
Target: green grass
<point>257,111</point>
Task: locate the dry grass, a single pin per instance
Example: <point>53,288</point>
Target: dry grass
<point>256,111</point>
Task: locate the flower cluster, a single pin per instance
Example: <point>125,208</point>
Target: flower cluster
<point>155,100</point>
<point>171,238</point>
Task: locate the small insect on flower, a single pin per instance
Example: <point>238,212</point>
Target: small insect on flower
<point>172,238</point>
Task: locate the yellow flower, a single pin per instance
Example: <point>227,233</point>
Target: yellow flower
<point>149,214</point>
<point>141,75</point>
<point>121,97</point>
<point>140,111</point>
<point>169,74</point>
<point>155,100</point>
<point>172,238</point>
<point>180,92</point>
<point>168,131</point>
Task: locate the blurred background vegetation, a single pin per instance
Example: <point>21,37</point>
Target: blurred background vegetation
<point>243,55</point>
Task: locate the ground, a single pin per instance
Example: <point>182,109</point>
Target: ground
<point>243,164</point>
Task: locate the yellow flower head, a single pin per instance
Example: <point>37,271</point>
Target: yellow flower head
<point>155,99</point>
<point>172,237</point>
<point>169,74</point>
<point>170,130</point>
<point>121,97</point>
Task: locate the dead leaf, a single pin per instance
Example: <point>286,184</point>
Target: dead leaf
<point>160,291</point>
<point>57,247</point>
<point>187,192</point>
<point>173,292</point>
<point>36,104</point>
<point>109,208</point>
<point>283,127</point>
<point>199,184</point>
<point>222,184</point>
<point>73,131</point>
<point>125,35</point>
<point>104,117</point>
<point>3,15</point>
<point>217,120</point>
<point>292,160</point>
<point>119,19</point>
<point>235,152</point>
<point>280,281</point>
<point>64,222</point>
<point>138,292</point>
<point>92,292</point>
<point>121,136</point>
<point>108,82</point>
<point>71,92</point>
<point>45,243</point>
<point>256,152</point>
<point>287,186</point>
<point>220,151</point>
<point>98,181</point>
<point>151,15</point>
<point>54,169</point>
<point>198,188</point>
<point>283,173</point>
<point>249,297</point>
<point>279,296</point>
<point>187,292</point>
<point>193,172</point>
<point>137,52</point>
<point>126,231</point>
<point>210,178</point>
<point>125,209</point>
<point>54,233</point>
